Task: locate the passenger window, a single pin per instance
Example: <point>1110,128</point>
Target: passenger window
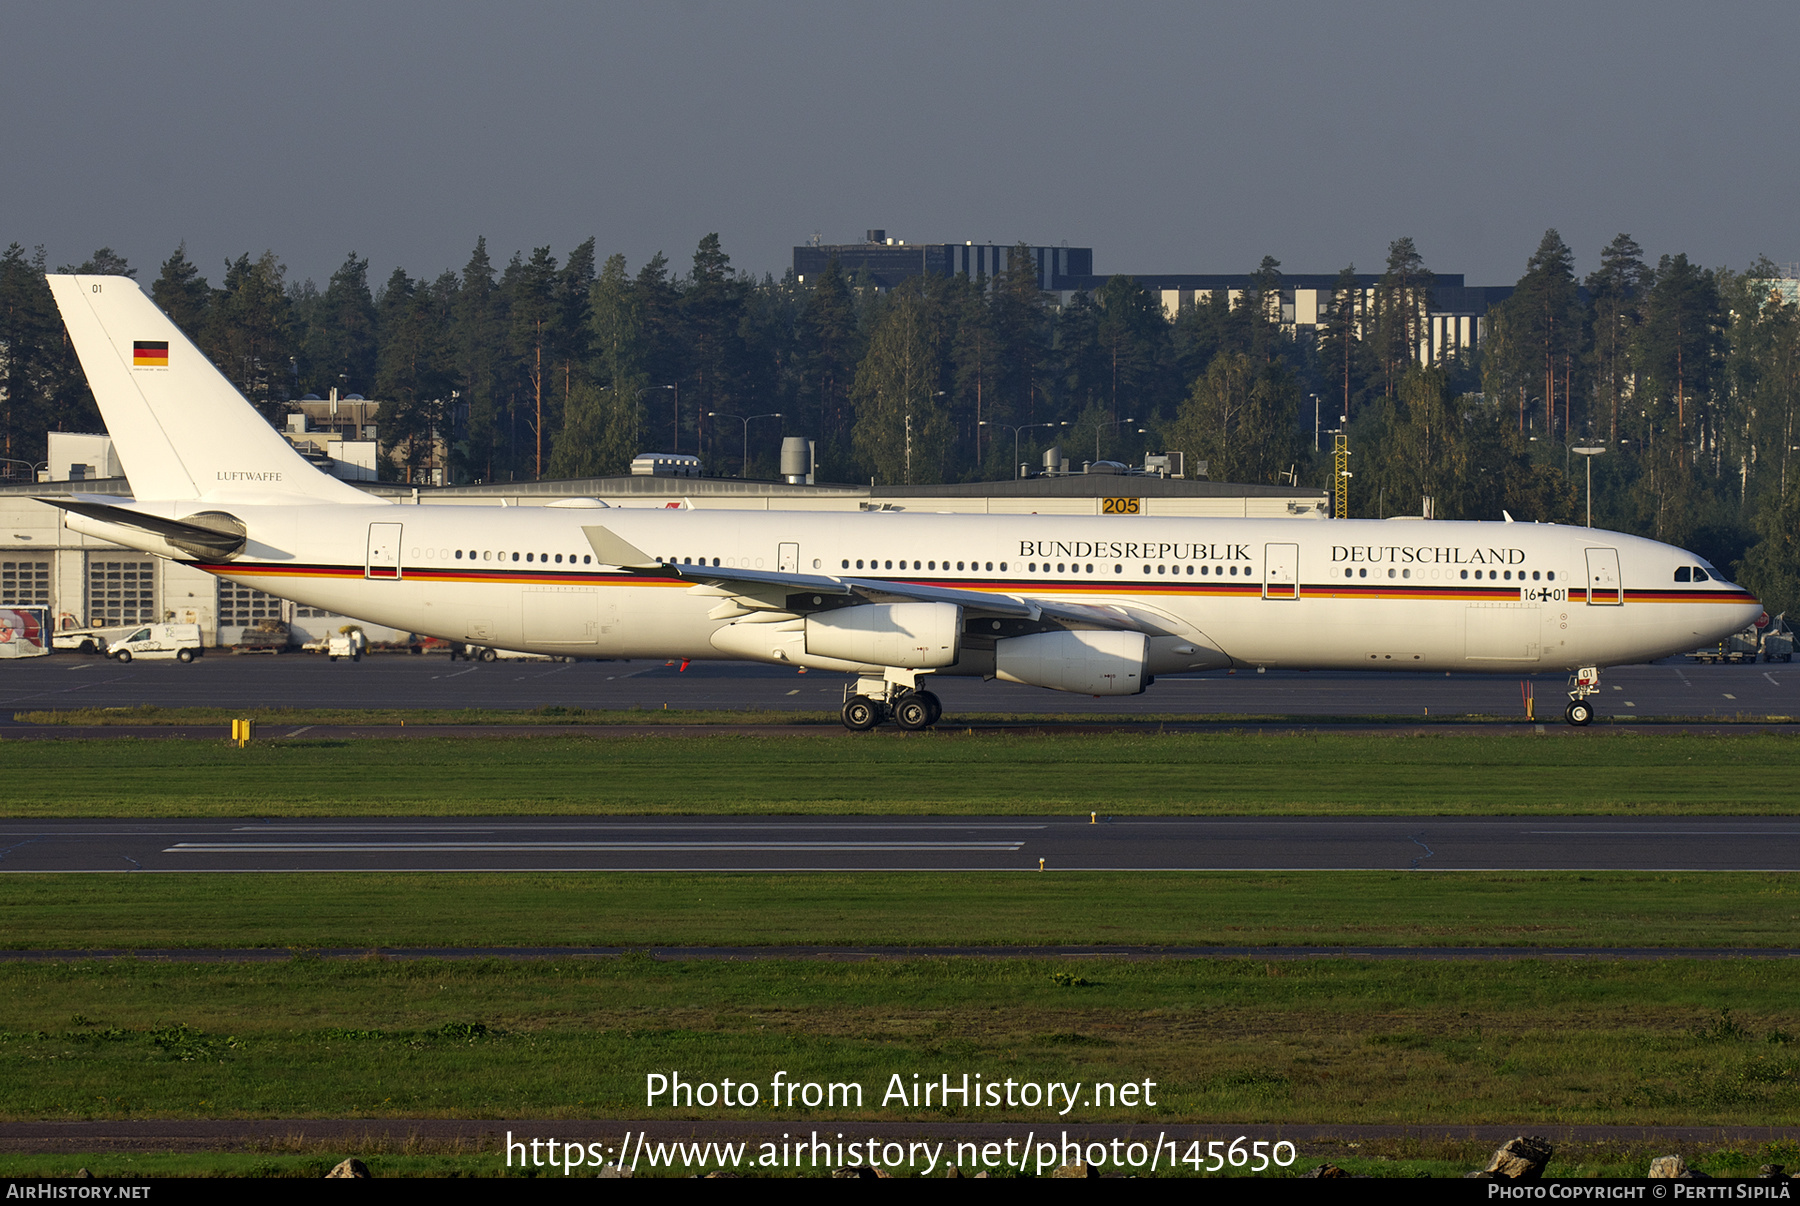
<point>1392,572</point>
<point>1090,569</point>
<point>1465,573</point>
<point>515,556</point>
<point>1362,573</point>
<point>1348,572</point>
<point>890,565</point>
<point>847,563</point>
<point>1118,569</point>
<point>1550,576</point>
<point>1002,566</point>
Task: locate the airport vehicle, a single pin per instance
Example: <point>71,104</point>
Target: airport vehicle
<point>1096,605</point>
<point>89,640</point>
<point>178,641</point>
<point>24,631</point>
<point>350,644</point>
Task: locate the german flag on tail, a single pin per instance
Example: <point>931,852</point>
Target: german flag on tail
<point>150,353</point>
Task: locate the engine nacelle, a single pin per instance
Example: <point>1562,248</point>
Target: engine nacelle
<point>1090,663</point>
<point>913,636</point>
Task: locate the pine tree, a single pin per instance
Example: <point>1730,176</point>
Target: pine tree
<point>531,292</point>
<point>1616,289</point>
<point>1402,304</point>
<point>829,348</point>
<point>480,342</point>
<point>182,293</point>
<point>902,433</point>
<point>250,330</point>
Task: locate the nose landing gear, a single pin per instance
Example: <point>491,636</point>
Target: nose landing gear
<point>1585,683</point>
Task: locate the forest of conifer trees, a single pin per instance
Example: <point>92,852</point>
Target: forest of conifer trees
<point>567,366</point>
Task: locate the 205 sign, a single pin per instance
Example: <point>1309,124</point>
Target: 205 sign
<point>1121,506</point>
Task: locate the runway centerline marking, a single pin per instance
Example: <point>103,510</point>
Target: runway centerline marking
<point>567,847</point>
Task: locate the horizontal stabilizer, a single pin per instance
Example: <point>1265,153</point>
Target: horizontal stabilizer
<point>209,535</point>
<point>615,550</point>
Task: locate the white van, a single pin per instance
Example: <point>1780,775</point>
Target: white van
<point>179,641</point>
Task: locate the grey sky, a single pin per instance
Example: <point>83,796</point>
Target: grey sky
<point>1169,137</point>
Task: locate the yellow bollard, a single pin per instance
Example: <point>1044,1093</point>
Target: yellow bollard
<point>241,732</point>
<point>1093,818</point>
<point>1040,864</point>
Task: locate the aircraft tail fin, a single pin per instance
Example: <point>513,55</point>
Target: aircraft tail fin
<point>181,430</point>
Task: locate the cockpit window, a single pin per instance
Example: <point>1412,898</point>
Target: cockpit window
<point>1684,574</point>
<point>1699,574</point>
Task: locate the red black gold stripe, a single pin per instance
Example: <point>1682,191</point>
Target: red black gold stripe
<point>150,353</point>
<point>1010,586</point>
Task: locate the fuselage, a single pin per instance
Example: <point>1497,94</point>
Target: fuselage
<point>1325,594</point>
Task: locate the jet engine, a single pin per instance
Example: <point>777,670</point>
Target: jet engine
<point>914,636</point>
<point>1090,663</point>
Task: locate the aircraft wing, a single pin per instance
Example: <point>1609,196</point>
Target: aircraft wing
<point>763,590</point>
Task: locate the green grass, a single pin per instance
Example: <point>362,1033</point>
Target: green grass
<point>1228,1041</point>
<point>301,1157</point>
<point>1445,774</point>
<point>555,714</point>
<point>1342,908</point>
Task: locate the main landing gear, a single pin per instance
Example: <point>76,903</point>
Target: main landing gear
<point>891,698</point>
<point>1585,683</point>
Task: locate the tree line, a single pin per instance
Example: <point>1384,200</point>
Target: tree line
<point>549,366</point>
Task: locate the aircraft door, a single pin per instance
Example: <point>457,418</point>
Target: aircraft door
<point>1603,585</point>
<point>384,551</point>
<point>789,561</point>
<point>1281,571</point>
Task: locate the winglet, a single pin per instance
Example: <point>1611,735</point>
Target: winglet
<point>612,550</point>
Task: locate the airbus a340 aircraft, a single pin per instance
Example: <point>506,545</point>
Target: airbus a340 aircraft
<point>1084,604</point>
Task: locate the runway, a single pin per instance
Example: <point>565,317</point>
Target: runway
<point>1672,688</point>
<point>904,844</point>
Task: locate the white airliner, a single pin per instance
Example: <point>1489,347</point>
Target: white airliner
<point>1084,604</point>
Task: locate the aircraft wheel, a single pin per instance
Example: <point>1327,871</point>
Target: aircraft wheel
<point>1579,712</point>
<point>488,655</point>
<point>937,708</point>
<point>861,713</point>
<point>122,656</point>
<point>184,656</point>
<point>912,712</point>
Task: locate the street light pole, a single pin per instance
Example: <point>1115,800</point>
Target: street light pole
<point>677,389</point>
<point>1101,426</point>
<point>1016,431</point>
<point>1588,455</point>
<point>744,469</point>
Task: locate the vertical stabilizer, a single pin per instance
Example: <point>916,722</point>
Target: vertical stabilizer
<point>182,430</point>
